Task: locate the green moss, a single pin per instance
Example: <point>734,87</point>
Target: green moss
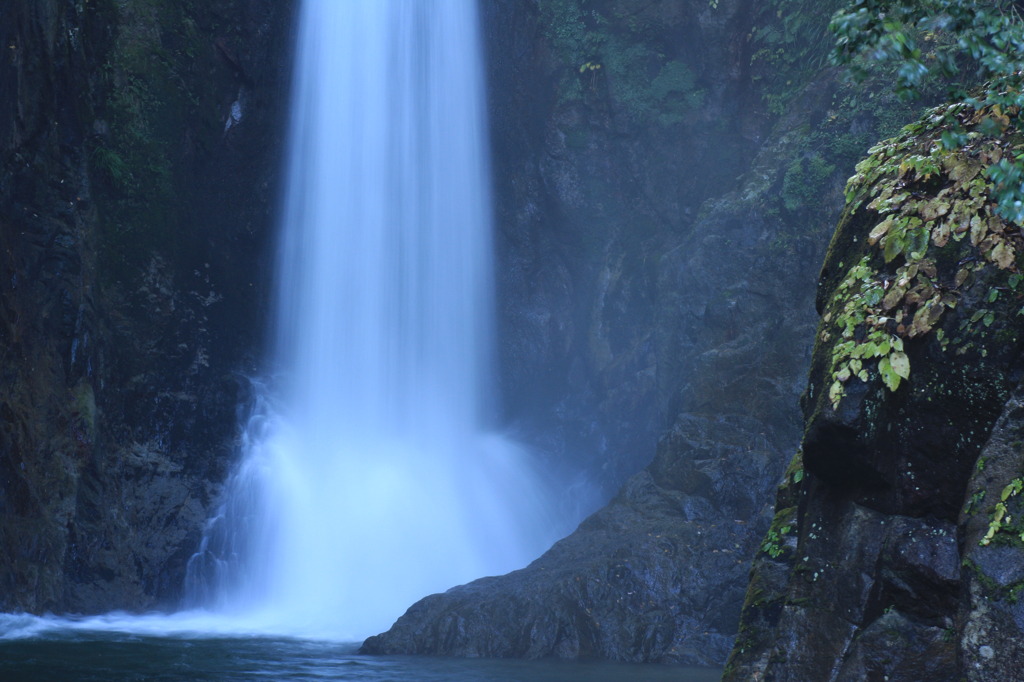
<point>802,602</point>
<point>564,25</point>
<point>805,181</point>
<point>83,405</point>
<point>669,97</point>
<point>993,590</point>
<point>783,524</point>
<point>112,166</point>
<point>1014,592</point>
<point>792,482</point>
<point>153,96</point>
<point>611,53</point>
<point>576,44</point>
<point>974,502</point>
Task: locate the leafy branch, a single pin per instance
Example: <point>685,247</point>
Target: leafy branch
<point>976,45</point>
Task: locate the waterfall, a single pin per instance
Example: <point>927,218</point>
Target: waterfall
<point>368,478</point>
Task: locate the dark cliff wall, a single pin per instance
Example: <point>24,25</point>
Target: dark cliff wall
<point>896,550</point>
<point>132,225</point>
<point>600,113</point>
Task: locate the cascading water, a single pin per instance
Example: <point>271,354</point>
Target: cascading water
<point>368,480</point>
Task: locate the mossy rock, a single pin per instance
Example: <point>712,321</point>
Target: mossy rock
<point>920,297</point>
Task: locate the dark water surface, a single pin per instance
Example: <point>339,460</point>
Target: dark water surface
<point>72,656</point>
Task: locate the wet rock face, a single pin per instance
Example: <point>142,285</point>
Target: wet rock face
<point>126,322</point>
<point>599,115</point>
<point>989,618</point>
<point>640,580</point>
<point>897,554</point>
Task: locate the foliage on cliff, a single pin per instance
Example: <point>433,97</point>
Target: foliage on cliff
<point>926,197</point>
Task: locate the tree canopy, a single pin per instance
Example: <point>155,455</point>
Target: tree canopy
<point>976,46</point>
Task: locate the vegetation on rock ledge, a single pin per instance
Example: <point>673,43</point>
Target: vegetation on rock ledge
<point>926,197</point>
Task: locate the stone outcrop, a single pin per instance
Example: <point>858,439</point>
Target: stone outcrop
<point>895,551</point>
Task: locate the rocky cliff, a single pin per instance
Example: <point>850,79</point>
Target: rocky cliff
<point>895,551</point>
<point>136,161</point>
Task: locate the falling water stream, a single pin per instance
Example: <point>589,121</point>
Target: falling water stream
<point>369,478</point>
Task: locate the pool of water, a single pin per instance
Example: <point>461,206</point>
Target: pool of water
<point>102,650</point>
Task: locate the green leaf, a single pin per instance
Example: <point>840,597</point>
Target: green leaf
<point>865,350</point>
<point>1002,255</point>
<point>873,295</point>
<point>900,364</point>
<point>1008,491</point>
<point>889,376</point>
<point>835,393</point>
<point>893,245</point>
<point>930,210</point>
<point>893,297</point>
<point>880,230</point>
<point>953,140</point>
